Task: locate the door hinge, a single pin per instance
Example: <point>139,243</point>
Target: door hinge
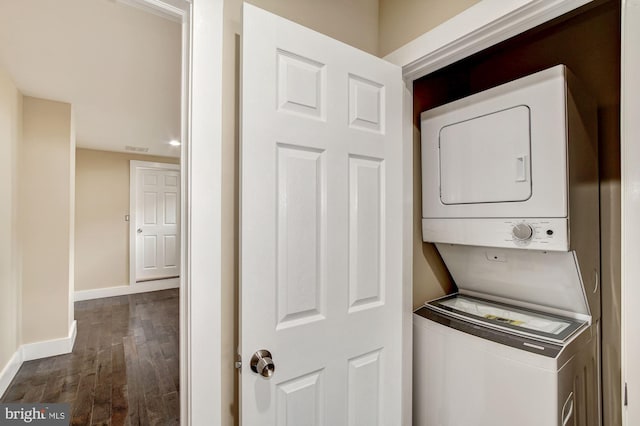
<point>626,395</point>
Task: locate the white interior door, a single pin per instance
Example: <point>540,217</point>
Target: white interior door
<point>321,229</point>
<point>157,223</point>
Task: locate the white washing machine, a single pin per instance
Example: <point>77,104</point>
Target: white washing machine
<point>510,197</point>
<point>482,363</point>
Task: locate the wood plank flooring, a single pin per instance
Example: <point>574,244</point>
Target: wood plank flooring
<point>123,370</point>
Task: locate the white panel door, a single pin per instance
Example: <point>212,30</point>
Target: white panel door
<point>320,229</point>
<point>157,220</point>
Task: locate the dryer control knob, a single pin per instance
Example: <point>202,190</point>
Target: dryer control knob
<point>522,232</point>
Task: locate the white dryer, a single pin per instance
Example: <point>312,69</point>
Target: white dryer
<point>510,197</point>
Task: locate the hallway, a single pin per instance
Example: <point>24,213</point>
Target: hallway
<point>124,368</point>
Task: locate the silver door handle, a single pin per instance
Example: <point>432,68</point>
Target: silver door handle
<point>262,363</point>
<point>139,231</point>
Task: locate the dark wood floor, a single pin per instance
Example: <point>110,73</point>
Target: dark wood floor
<point>124,366</point>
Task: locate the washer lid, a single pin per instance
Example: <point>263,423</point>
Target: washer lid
<point>540,278</point>
<point>525,343</point>
<point>513,319</point>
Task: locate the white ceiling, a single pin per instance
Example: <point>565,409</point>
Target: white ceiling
<point>117,65</point>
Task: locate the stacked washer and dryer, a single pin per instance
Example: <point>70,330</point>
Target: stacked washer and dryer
<point>510,198</point>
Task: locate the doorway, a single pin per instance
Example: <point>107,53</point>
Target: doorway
<point>119,124</point>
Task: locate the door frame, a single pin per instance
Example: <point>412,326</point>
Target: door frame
<point>492,21</point>
<point>201,205</point>
<point>134,165</point>
<point>630,210</point>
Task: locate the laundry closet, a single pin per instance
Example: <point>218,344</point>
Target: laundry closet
<point>587,41</point>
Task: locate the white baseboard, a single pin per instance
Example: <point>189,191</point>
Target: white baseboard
<point>53,347</point>
<point>10,370</point>
<point>123,290</point>
<point>36,350</point>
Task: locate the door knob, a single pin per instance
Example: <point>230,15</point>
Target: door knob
<point>262,363</point>
<point>139,230</point>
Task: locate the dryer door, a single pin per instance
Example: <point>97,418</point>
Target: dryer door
<point>486,159</point>
<point>502,153</point>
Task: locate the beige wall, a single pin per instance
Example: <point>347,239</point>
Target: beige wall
<point>45,200</point>
<point>101,203</point>
<point>10,134</point>
<point>354,22</point>
<point>403,20</point>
